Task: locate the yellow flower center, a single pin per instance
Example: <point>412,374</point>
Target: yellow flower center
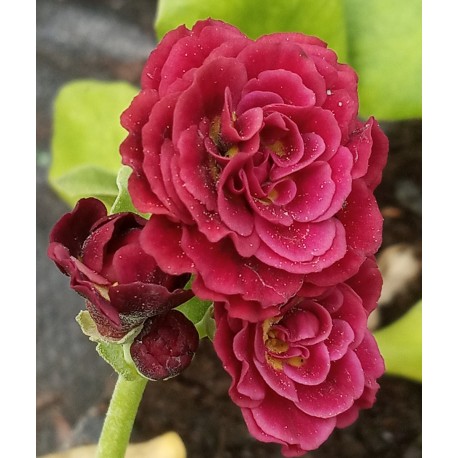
<point>215,130</point>
<point>278,148</point>
<point>215,135</point>
<point>276,346</point>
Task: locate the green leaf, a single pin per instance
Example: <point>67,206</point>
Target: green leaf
<point>194,309</point>
<point>200,313</point>
<point>257,17</point>
<point>400,345</point>
<point>384,42</point>
<point>113,354</point>
<point>206,327</point>
<point>123,201</point>
<point>381,39</point>
<point>87,135</point>
<point>88,180</point>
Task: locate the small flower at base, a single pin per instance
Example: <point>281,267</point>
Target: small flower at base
<point>101,254</point>
<point>311,368</point>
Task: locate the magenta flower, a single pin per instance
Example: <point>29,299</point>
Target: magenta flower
<point>102,255</point>
<point>251,155</point>
<point>298,375</point>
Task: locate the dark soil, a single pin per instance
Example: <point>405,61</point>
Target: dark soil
<point>74,385</point>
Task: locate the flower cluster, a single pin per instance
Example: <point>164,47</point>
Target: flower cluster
<point>259,177</point>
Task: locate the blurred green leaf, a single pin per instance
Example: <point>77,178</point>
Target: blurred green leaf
<point>256,17</point>
<point>384,42</point>
<point>381,39</point>
<point>85,181</point>
<point>87,133</point>
<point>401,345</point>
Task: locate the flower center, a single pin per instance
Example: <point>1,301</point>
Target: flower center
<point>276,347</point>
<point>215,130</point>
<point>278,148</point>
<point>223,147</point>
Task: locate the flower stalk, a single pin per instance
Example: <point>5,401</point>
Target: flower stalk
<point>120,417</point>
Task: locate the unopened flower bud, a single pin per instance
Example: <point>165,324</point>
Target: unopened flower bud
<point>165,346</point>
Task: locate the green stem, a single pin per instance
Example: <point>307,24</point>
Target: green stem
<point>120,417</point>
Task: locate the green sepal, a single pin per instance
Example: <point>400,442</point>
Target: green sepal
<point>200,313</point>
<point>115,352</point>
<point>206,327</point>
<point>114,355</point>
<point>400,344</point>
<point>123,201</point>
<point>195,310</point>
<point>89,328</point>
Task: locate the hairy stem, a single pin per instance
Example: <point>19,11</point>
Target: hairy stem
<point>120,418</point>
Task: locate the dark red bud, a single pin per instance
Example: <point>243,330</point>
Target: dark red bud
<point>165,346</point>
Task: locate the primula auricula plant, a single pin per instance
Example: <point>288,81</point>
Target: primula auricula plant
<point>256,178</point>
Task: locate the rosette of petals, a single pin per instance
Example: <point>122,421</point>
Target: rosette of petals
<point>254,148</point>
<point>312,367</point>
